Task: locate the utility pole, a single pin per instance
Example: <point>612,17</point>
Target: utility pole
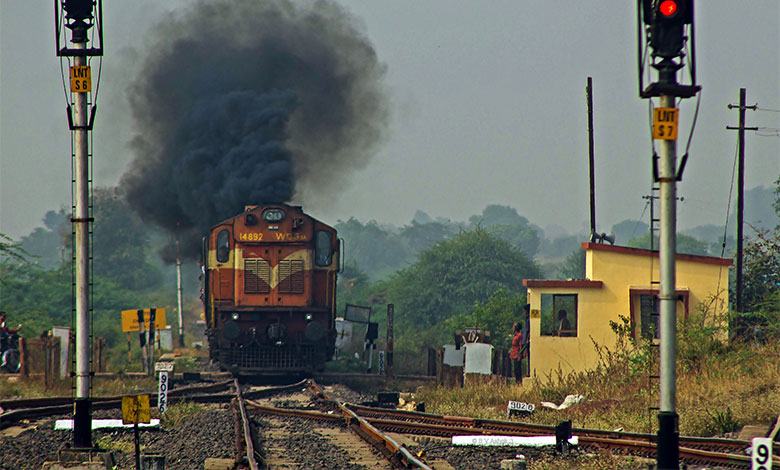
<point>390,338</point>
<point>178,288</point>
<point>740,186</point>
<point>80,19</point>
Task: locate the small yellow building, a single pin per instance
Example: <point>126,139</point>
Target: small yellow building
<point>567,316</point>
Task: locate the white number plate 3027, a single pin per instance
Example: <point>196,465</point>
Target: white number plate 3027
<point>762,454</point>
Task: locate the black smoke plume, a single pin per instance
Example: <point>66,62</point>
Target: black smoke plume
<point>249,101</point>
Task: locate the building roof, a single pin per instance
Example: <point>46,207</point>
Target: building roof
<point>643,252</point>
<point>552,283</point>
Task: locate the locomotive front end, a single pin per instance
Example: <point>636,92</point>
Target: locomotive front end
<point>270,291</point>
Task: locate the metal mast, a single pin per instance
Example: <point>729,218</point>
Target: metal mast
<point>668,433</point>
<point>668,28</point>
<point>79,17</point>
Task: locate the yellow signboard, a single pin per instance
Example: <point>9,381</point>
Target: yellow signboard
<point>80,79</point>
<point>665,123</point>
<point>130,319</point>
<point>135,409</point>
<point>535,314</point>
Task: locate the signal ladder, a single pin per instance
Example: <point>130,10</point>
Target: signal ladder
<point>654,361</point>
<point>90,231</point>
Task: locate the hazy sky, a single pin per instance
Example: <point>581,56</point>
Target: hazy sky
<point>488,106</point>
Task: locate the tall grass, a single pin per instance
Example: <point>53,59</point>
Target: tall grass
<point>34,387</point>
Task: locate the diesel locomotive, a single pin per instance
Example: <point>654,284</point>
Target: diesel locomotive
<point>269,291</point>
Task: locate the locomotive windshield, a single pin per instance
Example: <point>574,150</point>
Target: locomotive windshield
<point>323,249</point>
<point>223,246</point>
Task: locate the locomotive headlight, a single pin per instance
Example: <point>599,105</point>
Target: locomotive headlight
<point>273,215</point>
<point>234,316</point>
<point>309,317</point>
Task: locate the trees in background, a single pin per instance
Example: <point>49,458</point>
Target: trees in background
<point>374,250</point>
<point>50,244</point>
<point>36,287</point>
<point>11,251</point>
<point>507,224</point>
<point>760,316</point>
<point>761,265</point>
<point>450,278</point>
<point>496,314</point>
<point>685,244</point>
<point>419,237</point>
<point>761,269</point>
<point>628,230</point>
<point>121,244</point>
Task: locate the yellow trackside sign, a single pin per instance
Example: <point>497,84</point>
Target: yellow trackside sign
<point>135,409</point>
<point>80,79</point>
<point>130,319</point>
<point>665,123</point>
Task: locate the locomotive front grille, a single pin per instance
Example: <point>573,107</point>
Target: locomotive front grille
<point>257,276</point>
<point>305,357</point>
<point>291,276</point>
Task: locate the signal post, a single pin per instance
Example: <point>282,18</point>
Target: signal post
<point>665,24</point>
<point>79,16</point>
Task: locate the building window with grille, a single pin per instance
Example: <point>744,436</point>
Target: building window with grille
<point>648,315</point>
<point>559,315</point>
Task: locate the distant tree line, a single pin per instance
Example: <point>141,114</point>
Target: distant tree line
<point>440,275</point>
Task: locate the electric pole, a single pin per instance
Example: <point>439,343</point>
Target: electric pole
<point>740,187</point>
<point>178,288</point>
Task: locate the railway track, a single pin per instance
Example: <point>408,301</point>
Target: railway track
<point>485,426</point>
<point>268,420</point>
<point>302,424</point>
<point>16,410</point>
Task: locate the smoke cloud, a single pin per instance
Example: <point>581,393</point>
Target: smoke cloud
<point>244,102</point>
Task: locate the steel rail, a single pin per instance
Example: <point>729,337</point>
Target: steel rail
<point>368,432</point>
<point>526,428</point>
<point>641,447</point>
<point>318,415</point>
<point>249,442</point>
<point>16,403</point>
<point>13,416</point>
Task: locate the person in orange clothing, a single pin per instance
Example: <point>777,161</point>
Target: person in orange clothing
<point>514,353</point>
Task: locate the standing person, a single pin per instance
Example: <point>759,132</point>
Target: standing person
<point>514,353</point>
<point>524,352</point>
<point>4,328</point>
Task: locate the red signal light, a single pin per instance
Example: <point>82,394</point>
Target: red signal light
<point>668,8</point>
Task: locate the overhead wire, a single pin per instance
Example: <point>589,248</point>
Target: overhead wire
<point>62,71</point>
<point>633,231</point>
<point>728,210</point>
<point>97,26</point>
<point>768,132</point>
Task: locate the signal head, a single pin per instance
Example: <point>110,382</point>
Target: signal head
<point>668,8</point>
<point>79,9</point>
